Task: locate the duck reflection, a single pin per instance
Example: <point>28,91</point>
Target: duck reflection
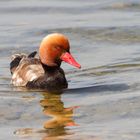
<point>61,116</point>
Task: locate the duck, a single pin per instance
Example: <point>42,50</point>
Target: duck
<point>43,72</point>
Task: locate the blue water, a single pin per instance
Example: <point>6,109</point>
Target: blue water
<point>102,102</point>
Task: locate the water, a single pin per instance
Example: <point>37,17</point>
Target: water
<point>102,102</point>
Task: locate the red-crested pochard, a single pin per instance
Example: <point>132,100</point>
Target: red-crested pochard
<point>43,72</point>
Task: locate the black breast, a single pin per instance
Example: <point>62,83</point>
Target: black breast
<point>54,79</point>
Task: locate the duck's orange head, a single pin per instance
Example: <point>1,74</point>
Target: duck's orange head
<point>55,48</point>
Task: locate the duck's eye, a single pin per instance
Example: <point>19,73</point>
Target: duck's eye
<point>58,47</point>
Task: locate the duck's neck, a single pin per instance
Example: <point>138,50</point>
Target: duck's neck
<point>49,68</point>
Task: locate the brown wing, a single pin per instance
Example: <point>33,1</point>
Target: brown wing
<point>28,69</point>
<point>16,58</point>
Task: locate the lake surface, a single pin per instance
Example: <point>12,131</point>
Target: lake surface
<point>103,99</point>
